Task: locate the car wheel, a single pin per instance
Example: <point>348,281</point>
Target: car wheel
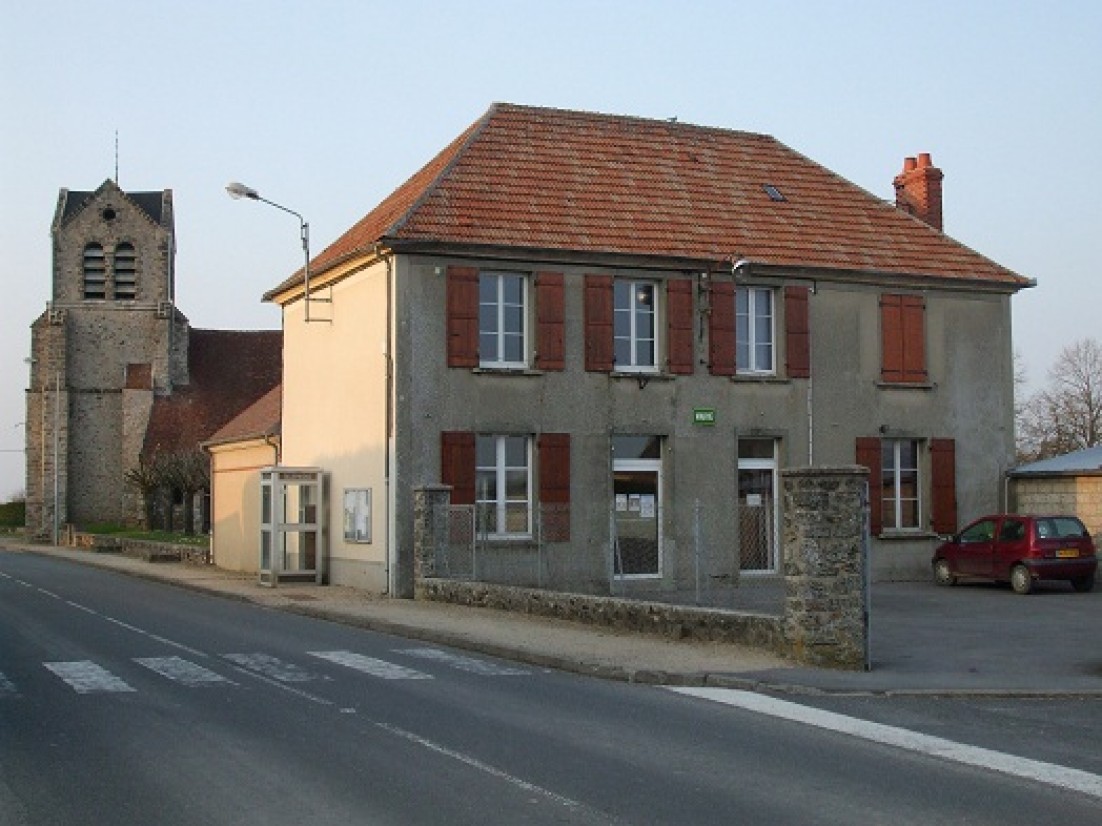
<point>943,574</point>
<point>1083,584</point>
<point>1020,580</point>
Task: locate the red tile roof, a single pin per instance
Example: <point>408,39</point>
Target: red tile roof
<point>262,418</point>
<point>549,179</point>
<point>229,371</point>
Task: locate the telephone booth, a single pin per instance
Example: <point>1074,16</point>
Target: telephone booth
<point>293,538</point>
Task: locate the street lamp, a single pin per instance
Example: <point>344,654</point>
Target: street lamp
<point>238,190</point>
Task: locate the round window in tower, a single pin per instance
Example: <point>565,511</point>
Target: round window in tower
<point>108,214</point>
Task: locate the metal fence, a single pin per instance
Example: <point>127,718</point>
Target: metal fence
<point>709,574</point>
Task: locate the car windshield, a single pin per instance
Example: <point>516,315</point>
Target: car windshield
<point>1060,527</point>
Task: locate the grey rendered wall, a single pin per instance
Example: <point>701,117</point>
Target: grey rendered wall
<point>968,398</point>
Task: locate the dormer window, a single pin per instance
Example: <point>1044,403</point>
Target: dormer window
<point>95,272</point>
<point>126,272</point>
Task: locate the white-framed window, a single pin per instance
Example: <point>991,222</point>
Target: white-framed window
<point>502,319</point>
<point>357,514</point>
<point>635,320</point>
<point>754,326</point>
<point>900,484</point>
<point>503,485</point>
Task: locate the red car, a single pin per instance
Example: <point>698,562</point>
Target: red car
<point>1020,550</point>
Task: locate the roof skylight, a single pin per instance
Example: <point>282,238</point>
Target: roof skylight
<point>773,193</point>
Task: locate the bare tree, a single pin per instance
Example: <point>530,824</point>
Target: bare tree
<point>146,478</point>
<point>187,473</point>
<point>1066,415</point>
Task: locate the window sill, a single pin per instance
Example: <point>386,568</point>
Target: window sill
<point>642,375</point>
<point>905,535</point>
<point>506,371</point>
<point>759,378</point>
<point>518,541</point>
<point>906,385</point>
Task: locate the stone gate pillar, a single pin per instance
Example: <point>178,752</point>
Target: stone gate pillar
<point>430,528</point>
<point>826,619</point>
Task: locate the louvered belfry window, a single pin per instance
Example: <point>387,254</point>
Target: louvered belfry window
<point>126,272</point>
<point>94,272</point>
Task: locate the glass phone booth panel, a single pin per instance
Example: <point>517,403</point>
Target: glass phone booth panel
<point>292,525</point>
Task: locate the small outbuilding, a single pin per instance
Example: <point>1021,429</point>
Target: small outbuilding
<point>1071,483</point>
<point>238,451</point>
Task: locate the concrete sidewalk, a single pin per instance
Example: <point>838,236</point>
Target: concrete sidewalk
<point>910,652</point>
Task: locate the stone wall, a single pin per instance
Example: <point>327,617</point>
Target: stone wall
<point>826,566</point>
<point>88,347</point>
<point>662,619</point>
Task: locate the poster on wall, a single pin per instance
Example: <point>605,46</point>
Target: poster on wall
<point>357,515</point>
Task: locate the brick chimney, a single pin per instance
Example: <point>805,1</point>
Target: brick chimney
<point>918,190</point>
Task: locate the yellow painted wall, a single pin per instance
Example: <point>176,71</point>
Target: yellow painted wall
<point>235,506</point>
<point>334,417</point>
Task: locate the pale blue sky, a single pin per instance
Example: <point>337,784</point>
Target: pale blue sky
<point>326,106</point>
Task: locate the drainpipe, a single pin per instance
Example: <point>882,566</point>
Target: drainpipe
<point>274,445</point>
<point>388,417</point>
<point>810,388</point>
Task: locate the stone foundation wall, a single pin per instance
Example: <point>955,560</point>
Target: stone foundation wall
<point>671,621</point>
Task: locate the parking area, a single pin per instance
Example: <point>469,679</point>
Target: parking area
<point>977,637</point>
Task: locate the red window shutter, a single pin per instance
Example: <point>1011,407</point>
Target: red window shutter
<point>797,332</point>
<point>721,329</point>
<point>868,455</point>
<point>554,460</point>
<point>598,323</point>
<point>903,337</point>
<point>913,312</point>
<point>679,312</point>
<point>550,318</point>
<point>943,473</point>
<point>457,465</point>
<point>462,312</point>
<point>891,337</point>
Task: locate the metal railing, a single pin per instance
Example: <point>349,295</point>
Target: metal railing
<point>708,573</point>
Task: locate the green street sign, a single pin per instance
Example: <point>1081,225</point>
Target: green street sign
<point>704,416</point>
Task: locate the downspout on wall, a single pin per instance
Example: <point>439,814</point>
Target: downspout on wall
<point>388,417</point>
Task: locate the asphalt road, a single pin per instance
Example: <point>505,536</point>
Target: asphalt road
<point>129,702</point>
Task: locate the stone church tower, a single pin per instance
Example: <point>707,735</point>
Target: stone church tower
<point>110,340</point>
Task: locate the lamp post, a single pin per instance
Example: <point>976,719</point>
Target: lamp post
<point>238,190</point>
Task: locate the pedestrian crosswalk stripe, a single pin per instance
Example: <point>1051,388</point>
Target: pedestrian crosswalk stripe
<point>182,671</point>
<point>85,677</point>
<point>7,687</point>
<point>370,665</point>
<point>472,665</point>
<point>273,668</point>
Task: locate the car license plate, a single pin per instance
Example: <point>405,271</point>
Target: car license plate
<point>1064,553</point>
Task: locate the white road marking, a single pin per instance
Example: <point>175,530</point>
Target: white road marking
<point>470,664</point>
<point>474,763</point>
<point>182,671</point>
<point>7,687</point>
<point>163,640</point>
<point>85,677</point>
<point>1049,773</point>
<point>370,665</point>
<point>272,668</point>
